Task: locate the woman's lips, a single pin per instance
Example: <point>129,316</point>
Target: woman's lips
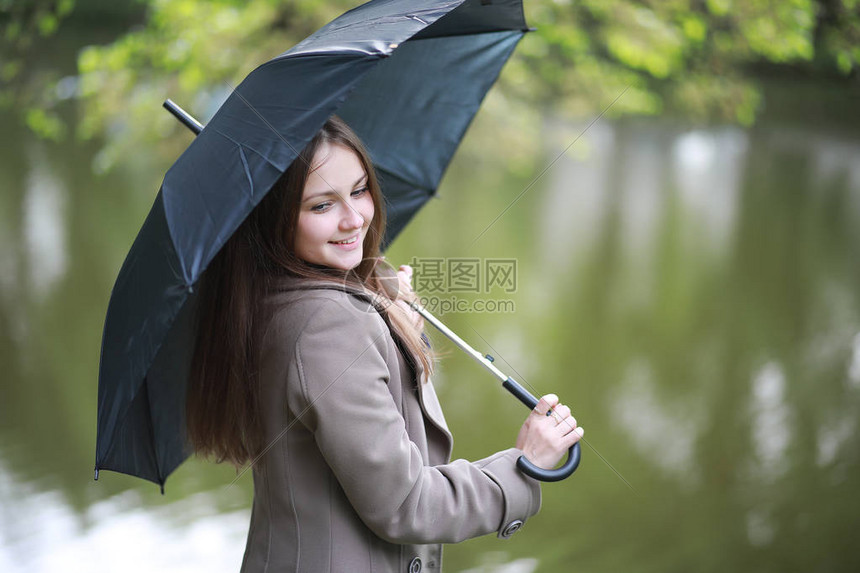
<point>349,246</point>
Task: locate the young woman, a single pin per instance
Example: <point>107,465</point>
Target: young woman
<point>304,368</point>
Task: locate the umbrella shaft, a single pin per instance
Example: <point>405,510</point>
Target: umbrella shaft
<point>186,118</point>
<point>508,383</point>
<point>481,359</point>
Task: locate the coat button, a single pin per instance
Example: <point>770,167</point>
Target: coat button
<point>415,565</point>
<point>511,528</point>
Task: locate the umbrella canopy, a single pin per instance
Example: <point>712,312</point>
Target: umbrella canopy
<point>407,77</point>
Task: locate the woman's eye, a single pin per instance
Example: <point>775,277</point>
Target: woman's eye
<point>323,207</point>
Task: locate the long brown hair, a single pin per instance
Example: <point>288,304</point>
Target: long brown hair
<point>222,406</point>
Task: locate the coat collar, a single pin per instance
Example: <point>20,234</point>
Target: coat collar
<point>288,283</point>
<point>302,284</point>
<point>426,393</point>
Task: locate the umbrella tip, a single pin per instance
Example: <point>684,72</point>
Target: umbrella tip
<point>96,477</point>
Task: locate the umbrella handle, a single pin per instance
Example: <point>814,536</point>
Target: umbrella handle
<point>528,468</point>
<point>518,391</point>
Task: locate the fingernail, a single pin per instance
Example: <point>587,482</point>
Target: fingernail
<point>579,430</point>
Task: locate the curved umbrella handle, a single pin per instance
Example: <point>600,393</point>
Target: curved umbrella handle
<point>558,474</point>
<point>528,468</point>
<point>518,391</point>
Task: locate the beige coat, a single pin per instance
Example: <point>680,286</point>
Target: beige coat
<point>357,476</point>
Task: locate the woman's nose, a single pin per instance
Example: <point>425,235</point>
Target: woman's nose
<point>351,218</point>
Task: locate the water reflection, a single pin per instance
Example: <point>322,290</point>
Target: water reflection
<point>692,292</point>
<point>700,307</point>
<point>662,431</point>
<point>708,167</point>
<point>770,417</point>
<point>854,367</point>
<point>44,225</point>
<point>42,532</point>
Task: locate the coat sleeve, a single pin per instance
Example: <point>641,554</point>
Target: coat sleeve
<point>343,398</point>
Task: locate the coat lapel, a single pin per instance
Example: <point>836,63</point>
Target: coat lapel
<point>426,392</point>
<point>433,411</point>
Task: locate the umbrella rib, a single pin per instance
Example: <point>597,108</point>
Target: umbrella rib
<point>265,121</point>
<point>120,421</point>
<point>161,478</point>
<point>297,155</point>
<point>428,190</point>
<point>424,20</point>
<point>247,170</point>
<point>477,33</point>
<point>242,145</point>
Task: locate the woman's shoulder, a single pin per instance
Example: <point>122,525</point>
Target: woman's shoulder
<point>308,294</point>
<point>299,304</point>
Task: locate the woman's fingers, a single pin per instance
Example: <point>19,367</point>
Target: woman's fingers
<point>544,404</point>
<point>574,436</point>
<point>564,421</point>
<point>544,438</point>
<point>557,414</point>
<point>560,413</point>
<point>405,277</point>
<point>559,418</point>
<point>405,295</point>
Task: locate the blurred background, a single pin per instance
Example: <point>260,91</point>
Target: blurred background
<point>679,185</point>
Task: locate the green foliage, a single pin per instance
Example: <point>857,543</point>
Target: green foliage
<point>192,51</point>
<point>23,24</point>
<point>840,39</point>
<point>682,57</point>
<point>689,58</point>
<point>45,124</point>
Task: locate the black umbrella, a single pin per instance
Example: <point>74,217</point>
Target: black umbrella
<point>407,79</point>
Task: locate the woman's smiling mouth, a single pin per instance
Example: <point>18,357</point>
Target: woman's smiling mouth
<point>346,242</point>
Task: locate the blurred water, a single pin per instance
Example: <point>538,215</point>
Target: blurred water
<point>41,532</point>
<point>691,292</point>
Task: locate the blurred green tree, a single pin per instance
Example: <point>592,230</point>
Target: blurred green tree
<point>23,24</point>
<point>696,59</point>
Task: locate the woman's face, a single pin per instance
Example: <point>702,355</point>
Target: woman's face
<point>336,210</point>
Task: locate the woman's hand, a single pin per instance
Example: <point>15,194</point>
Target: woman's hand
<point>545,439</point>
<point>405,295</point>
